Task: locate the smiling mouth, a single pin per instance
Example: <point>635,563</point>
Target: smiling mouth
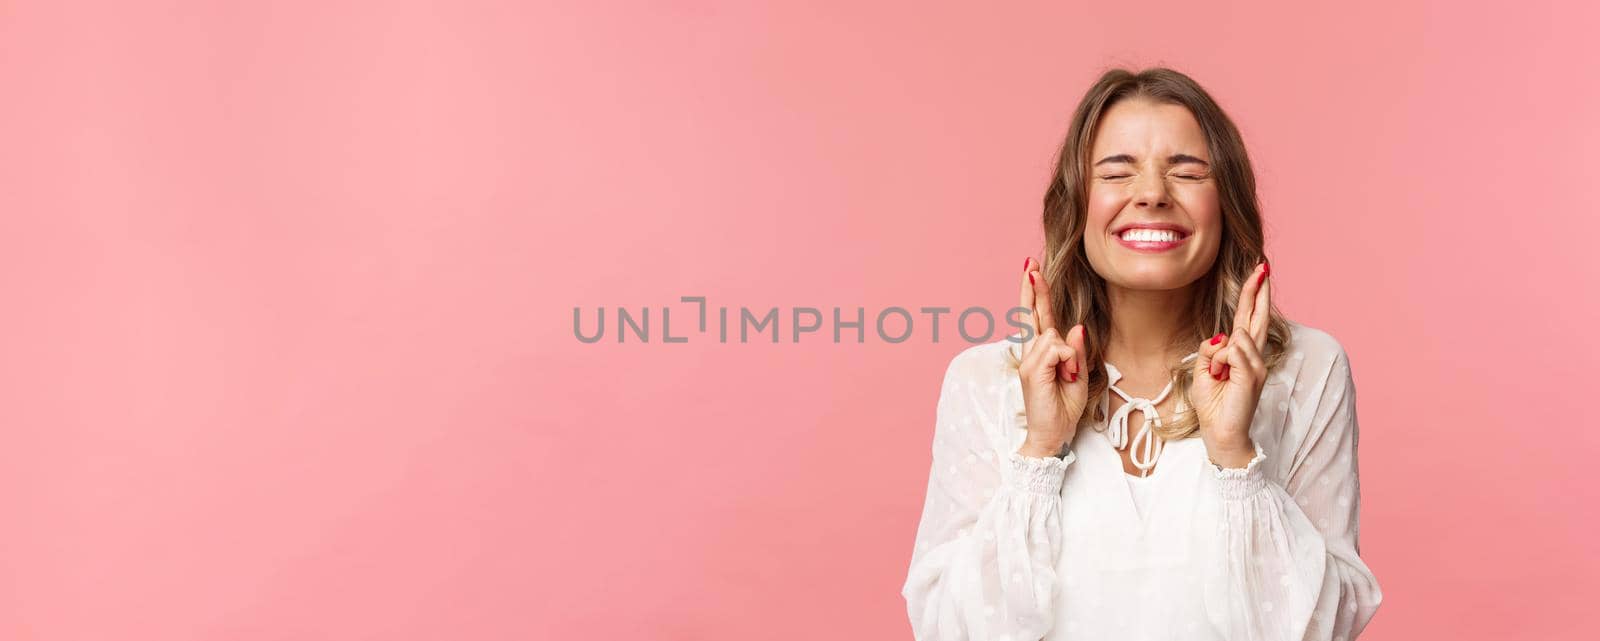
<point>1146,235</point>
<point>1152,235</point>
<point>1148,240</point>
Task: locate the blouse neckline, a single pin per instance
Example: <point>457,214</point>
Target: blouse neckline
<point>1147,446</point>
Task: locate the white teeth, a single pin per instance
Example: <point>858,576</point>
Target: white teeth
<point>1150,235</point>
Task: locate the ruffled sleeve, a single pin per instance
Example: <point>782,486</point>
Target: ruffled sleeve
<point>1289,565</point>
<point>983,563</point>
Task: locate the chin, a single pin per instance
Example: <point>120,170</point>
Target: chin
<point>1154,278</point>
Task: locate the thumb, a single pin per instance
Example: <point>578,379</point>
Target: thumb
<point>1075,341</point>
<point>1211,361</point>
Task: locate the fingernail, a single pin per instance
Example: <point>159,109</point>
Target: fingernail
<point>1072,378</point>
<point>1217,339</point>
<point>1025,262</point>
<point>1266,267</point>
<point>1030,278</point>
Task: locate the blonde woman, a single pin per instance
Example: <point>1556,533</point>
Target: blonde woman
<point>1161,455</point>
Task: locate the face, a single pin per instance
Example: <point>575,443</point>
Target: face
<point>1154,221</point>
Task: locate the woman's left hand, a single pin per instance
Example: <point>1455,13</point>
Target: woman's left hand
<point>1229,375</point>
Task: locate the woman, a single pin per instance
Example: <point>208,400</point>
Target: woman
<point>1228,508</point>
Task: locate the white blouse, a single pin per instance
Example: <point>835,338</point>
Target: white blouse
<point>1017,548</point>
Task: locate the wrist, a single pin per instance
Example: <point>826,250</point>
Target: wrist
<point>1232,455</point>
<point>1039,449</point>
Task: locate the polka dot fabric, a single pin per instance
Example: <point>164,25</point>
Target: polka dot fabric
<point>1024,548</point>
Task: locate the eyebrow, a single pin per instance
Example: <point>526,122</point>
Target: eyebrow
<point>1174,159</point>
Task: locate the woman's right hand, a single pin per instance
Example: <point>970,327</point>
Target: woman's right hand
<point>1054,391</point>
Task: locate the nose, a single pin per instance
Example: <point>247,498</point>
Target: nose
<point>1151,191</point>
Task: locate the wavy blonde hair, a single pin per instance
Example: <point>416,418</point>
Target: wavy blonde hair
<point>1079,293</point>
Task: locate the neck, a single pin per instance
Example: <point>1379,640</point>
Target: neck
<point>1148,327</point>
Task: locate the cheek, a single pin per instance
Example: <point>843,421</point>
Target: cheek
<point>1203,207</point>
<point>1104,204</point>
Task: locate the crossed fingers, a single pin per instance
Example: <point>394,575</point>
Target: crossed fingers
<point>1250,318</point>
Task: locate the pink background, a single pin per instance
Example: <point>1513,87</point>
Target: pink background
<point>288,349</point>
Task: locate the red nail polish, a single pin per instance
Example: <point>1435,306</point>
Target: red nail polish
<point>1266,268</point>
<point>1025,262</point>
<point>1030,279</point>
<point>1072,378</point>
<point>1216,339</point>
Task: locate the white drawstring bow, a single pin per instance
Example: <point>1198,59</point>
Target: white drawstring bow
<point>1147,446</point>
